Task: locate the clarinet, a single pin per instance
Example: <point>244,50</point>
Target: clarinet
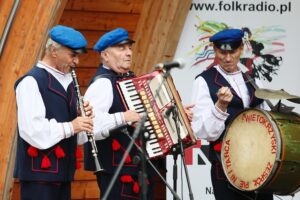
<point>91,137</point>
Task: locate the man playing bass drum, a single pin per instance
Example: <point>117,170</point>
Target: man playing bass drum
<point>219,93</point>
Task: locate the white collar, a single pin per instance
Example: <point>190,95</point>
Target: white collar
<point>49,68</point>
<point>104,66</point>
<point>229,73</point>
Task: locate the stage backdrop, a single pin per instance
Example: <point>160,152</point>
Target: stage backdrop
<point>272,53</point>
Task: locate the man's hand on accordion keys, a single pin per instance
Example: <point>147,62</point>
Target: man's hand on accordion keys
<point>187,110</point>
<point>131,116</point>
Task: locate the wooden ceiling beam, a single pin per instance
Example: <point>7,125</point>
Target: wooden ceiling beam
<point>116,6</point>
<point>99,21</point>
<point>158,32</point>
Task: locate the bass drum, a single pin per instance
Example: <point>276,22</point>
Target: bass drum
<point>261,152</point>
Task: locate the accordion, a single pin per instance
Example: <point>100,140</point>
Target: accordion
<point>156,94</point>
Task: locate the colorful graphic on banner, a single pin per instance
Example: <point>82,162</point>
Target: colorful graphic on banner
<point>262,50</point>
<point>270,52</point>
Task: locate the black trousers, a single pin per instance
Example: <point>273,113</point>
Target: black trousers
<point>123,191</point>
<point>34,190</point>
<point>223,190</point>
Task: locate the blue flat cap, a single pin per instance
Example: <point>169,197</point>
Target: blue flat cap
<point>69,37</point>
<point>118,36</point>
<point>227,39</point>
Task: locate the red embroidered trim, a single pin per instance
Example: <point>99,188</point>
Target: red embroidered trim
<point>32,152</point>
<point>59,152</point>
<point>116,145</point>
<point>78,156</point>
<point>78,164</point>
<point>218,146</point>
<point>128,159</point>
<point>136,187</point>
<point>45,163</point>
<point>126,179</point>
<point>78,153</point>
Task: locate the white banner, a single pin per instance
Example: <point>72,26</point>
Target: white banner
<point>272,52</point>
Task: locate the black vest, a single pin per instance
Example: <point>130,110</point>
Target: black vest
<point>215,81</point>
<point>60,105</point>
<point>111,149</point>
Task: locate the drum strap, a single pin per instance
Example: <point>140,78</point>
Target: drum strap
<point>251,80</point>
<point>218,157</point>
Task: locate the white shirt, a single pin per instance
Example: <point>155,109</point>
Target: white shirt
<point>100,95</point>
<point>34,127</point>
<point>208,121</point>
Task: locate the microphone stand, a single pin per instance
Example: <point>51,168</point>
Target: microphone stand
<point>180,150</point>
<point>142,175</point>
<point>175,156</point>
<point>174,150</point>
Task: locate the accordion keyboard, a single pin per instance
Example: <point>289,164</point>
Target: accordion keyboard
<point>152,93</point>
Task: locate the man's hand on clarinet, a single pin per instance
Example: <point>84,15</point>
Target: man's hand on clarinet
<point>82,124</point>
<point>88,109</point>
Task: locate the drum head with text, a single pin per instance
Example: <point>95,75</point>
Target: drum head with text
<point>250,147</point>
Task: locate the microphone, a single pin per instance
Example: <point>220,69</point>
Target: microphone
<point>177,63</point>
<point>169,111</point>
<point>106,133</point>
